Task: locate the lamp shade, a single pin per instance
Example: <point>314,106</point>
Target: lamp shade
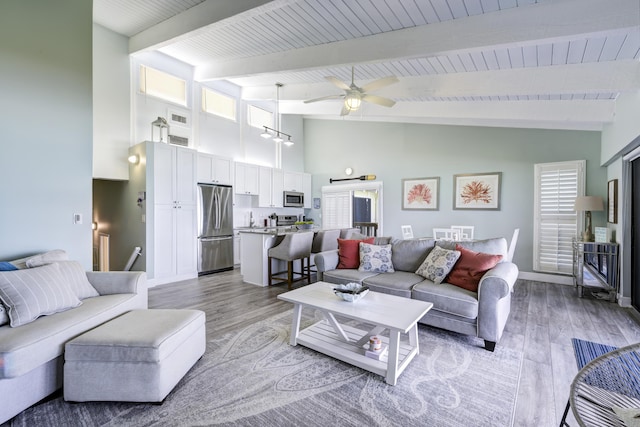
<point>588,203</point>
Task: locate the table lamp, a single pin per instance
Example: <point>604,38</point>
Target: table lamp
<point>587,204</point>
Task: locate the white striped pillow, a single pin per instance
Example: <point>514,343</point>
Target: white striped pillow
<point>76,277</point>
<point>31,293</point>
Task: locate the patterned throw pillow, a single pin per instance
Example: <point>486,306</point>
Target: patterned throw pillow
<point>375,258</point>
<point>438,264</point>
<point>34,292</point>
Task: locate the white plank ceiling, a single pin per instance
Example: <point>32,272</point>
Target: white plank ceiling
<point>558,64</point>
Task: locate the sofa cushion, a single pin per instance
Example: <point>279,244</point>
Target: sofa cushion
<point>408,255</point>
<point>375,258</point>
<point>349,252</point>
<point>447,298</point>
<point>29,346</point>
<point>31,293</point>
<point>495,246</point>
<point>470,268</point>
<point>438,264</point>
<point>346,276</point>
<point>398,283</point>
<point>76,277</point>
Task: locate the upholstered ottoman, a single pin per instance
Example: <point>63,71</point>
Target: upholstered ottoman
<point>137,357</point>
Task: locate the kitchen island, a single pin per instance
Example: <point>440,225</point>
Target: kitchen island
<point>254,252</point>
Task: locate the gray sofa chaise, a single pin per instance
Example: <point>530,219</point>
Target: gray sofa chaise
<point>483,313</point>
<point>31,355</point>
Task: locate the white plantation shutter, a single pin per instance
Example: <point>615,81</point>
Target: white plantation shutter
<point>555,222</point>
<point>336,210</point>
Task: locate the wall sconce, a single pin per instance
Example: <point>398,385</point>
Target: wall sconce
<point>161,127</point>
<point>94,225</point>
<point>134,159</point>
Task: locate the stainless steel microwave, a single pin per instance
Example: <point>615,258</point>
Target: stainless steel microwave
<point>293,199</point>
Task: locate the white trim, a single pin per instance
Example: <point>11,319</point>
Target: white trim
<point>631,156</point>
<point>547,278</point>
<point>361,185</point>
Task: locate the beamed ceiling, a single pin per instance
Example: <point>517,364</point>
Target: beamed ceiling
<point>556,64</point>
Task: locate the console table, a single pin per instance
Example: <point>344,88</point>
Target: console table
<point>601,260</point>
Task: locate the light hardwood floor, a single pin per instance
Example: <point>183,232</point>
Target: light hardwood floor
<point>544,317</point>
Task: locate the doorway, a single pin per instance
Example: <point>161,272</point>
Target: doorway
<point>635,233</point>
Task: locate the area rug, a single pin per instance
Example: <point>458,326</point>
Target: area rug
<point>255,378</point>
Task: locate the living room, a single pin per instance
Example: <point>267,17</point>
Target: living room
<point>55,112</point>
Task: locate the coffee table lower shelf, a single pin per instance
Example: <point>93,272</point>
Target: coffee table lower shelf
<point>322,338</point>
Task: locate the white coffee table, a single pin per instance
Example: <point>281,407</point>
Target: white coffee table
<point>397,314</point>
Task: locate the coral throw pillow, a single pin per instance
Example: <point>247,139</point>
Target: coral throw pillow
<point>349,252</point>
<point>470,268</point>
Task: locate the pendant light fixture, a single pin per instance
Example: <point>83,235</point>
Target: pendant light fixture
<point>276,134</point>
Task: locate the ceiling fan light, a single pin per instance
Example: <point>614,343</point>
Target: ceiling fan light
<point>352,101</point>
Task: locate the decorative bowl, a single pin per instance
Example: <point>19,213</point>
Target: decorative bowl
<point>350,290</point>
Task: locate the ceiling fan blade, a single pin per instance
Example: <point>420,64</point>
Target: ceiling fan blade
<point>345,111</point>
<point>378,84</point>
<point>374,99</point>
<point>338,82</point>
<point>323,98</point>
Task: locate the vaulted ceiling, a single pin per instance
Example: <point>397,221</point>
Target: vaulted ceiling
<point>556,64</point>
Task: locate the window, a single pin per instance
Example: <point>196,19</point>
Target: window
<point>218,104</point>
<point>336,210</point>
<point>338,204</point>
<point>162,85</point>
<point>258,118</point>
<point>555,222</point>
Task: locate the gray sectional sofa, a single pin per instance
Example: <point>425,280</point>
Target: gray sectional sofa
<point>31,355</point>
<point>482,314</point>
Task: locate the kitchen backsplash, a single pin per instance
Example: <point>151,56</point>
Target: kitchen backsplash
<point>243,209</point>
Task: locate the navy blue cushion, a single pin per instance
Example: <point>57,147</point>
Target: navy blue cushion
<point>7,266</point>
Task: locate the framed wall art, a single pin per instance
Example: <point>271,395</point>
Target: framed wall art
<point>477,191</point>
<point>612,201</point>
<point>420,193</point>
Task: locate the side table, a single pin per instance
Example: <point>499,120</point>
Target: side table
<point>601,260</point>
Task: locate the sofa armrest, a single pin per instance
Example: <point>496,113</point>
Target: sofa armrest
<point>325,261</point>
<point>118,282</point>
<point>494,300</point>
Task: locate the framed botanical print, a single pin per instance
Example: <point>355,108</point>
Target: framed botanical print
<point>420,193</point>
<point>612,201</point>
<point>477,191</point>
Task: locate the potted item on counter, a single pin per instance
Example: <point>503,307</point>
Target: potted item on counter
<point>304,225</point>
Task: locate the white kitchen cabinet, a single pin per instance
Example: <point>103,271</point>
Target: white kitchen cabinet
<point>236,247</point>
<point>293,181</point>
<point>270,187</point>
<point>171,244</point>
<point>214,169</point>
<point>306,187</point>
<point>246,179</point>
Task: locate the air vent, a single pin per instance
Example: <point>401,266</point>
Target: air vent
<point>179,140</point>
<point>178,118</point>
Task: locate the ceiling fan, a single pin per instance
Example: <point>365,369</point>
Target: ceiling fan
<point>354,95</point>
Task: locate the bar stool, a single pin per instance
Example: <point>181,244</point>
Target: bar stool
<point>324,240</point>
<point>294,246</point>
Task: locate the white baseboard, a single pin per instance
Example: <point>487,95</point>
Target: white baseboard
<point>624,301</point>
<point>548,278</point>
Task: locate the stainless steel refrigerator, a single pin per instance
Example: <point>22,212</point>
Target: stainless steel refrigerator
<point>215,228</point>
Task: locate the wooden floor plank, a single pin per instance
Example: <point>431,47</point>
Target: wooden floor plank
<point>544,317</point>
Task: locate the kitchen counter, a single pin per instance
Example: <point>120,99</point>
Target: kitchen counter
<point>254,252</point>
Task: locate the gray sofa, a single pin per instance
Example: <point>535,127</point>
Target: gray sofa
<point>482,314</point>
<point>31,355</point>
